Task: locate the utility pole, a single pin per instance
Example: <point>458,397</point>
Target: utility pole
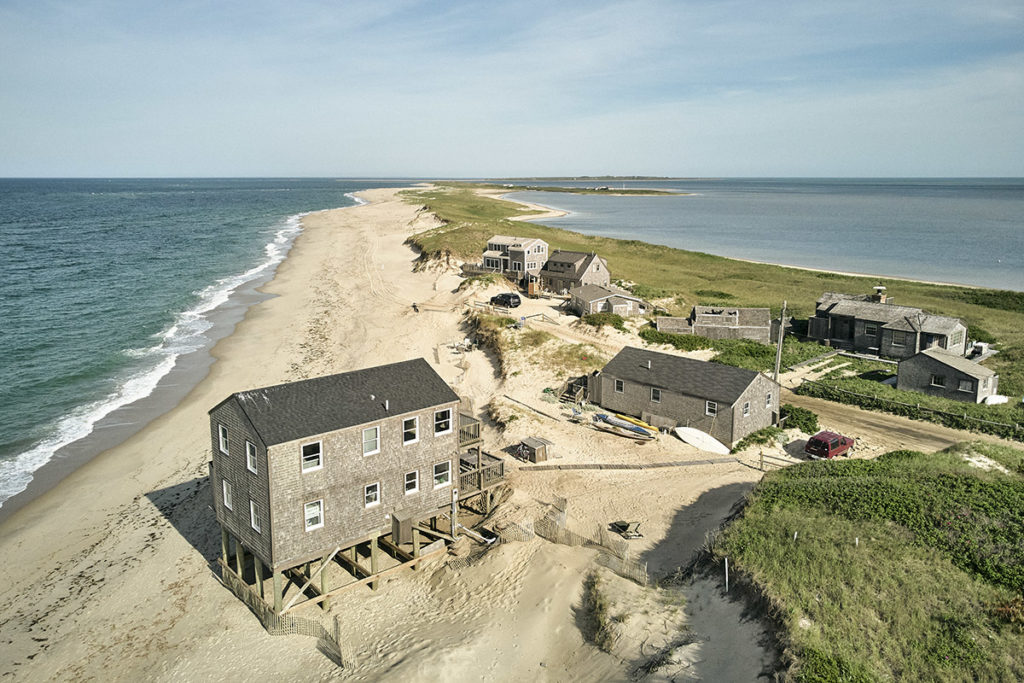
<point>782,334</point>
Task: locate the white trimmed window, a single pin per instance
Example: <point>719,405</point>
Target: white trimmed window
<point>371,495</point>
<point>768,400</point>
<point>443,422</point>
<point>899,338</point>
<point>655,395</point>
<point>371,440</point>
<point>412,482</point>
<point>710,408</point>
<point>314,513</point>
<point>870,329</point>
<point>410,430</point>
<point>746,409</point>
<point>226,487</point>
<point>312,456</point>
<point>250,457</point>
<point>620,386</point>
<point>222,437</point>
<point>442,474</point>
<point>254,516</point>
<point>966,385</point>
<point>938,380</point>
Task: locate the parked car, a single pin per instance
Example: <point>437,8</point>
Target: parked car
<point>828,445</point>
<point>506,300</point>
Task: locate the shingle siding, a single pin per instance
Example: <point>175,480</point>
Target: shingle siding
<point>340,484</point>
<point>245,485</point>
<point>915,374</point>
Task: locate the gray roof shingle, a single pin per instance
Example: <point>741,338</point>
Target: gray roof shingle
<point>895,317</point>
<point>296,410</point>
<point>710,381</point>
<point>968,367</point>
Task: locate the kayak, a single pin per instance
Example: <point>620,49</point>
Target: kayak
<point>638,422</point>
<point>623,424</point>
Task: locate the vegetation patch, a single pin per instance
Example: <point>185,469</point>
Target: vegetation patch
<point>713,295</point>
<point>597,626</point>
<point>763,436</point>
<point>599,320</point>
<point>799,418</point>
<point>741,353</point>
<point>902,568</point>
<point>481,281</point>
<point>492,332</point>
<point>574,359</point>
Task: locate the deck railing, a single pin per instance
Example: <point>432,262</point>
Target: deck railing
<point>469,430</point>
<point>491,472</point>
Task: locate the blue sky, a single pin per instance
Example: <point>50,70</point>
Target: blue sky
<point>470,89</point>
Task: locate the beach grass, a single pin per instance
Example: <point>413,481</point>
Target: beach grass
<point>902,568</point>
<point>692,277</point>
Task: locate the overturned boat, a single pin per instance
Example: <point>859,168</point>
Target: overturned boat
<point>616,425</point>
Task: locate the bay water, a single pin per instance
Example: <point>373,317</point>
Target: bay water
<point>966,231</point>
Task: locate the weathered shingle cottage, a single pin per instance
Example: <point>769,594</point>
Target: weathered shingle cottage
<point>940,373</point>
<point>722,322</point>
<point>302,469</point>
<point>567,270</point>
<point>597,299</point>
<point>868,324</point>
<point>671,391</point>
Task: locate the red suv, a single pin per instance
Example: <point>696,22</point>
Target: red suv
<point>828,445</point>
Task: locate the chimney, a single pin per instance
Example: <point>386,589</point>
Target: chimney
<point>647,364</point>
<point>879,295</point>
<point>385,405</point>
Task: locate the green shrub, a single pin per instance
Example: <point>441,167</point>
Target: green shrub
<point>714,294</point>
<point>765,435</point>
<point>597,623</point>
<point>978,333</point>
<point>599,320</point>
<point>799,418</point>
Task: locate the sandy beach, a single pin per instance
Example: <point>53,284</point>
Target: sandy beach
<point>110,575</point>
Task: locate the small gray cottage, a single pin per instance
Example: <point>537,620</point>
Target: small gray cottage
<point>597,299</point>
<point>671,391</point>
<point>325,464</point>
<point>868,324</point>
<point>940,373</point>
<point>722,322</point>
<point>567,270</point>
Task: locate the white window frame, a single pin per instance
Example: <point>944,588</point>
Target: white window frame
<point>254,516</point>
<point>620,386</point>
<point>655,392</point>
<point>746,409</point>
<point>228,494</point>
<point>517,267</point>
<point>367,503</point>
<point>376,438</point>
<point>711,408</point>
<point>319,458</point>
<point>937,381</point>
<point>320,512</point>
<point>902,336</point>
<point>416,482</point>
<point>250,457</point>
<point>222,438</point>
<point>447,474</point>
<point>415,427</point>
<point>450,422</point>
<point>871,329</point>
<point>768,400</point>
<point>968,382</point>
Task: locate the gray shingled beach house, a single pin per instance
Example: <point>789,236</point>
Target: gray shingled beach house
<point>940,373</point>
<point>671,391</point>
<point>866,323</point>
<point>345,462</point>
<point>567,270</point>
<point>721,322</point>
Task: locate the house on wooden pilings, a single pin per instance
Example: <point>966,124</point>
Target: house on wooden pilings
<point>326,472</point>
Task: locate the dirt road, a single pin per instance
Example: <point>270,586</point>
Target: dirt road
<point>900,432</point>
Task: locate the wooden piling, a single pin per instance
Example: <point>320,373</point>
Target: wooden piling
<point>374,560</point>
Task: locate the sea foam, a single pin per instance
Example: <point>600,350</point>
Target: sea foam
<point>185,335</point>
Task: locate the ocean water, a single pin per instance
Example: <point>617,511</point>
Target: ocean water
<point>108,284</point>
<point>968,231</point>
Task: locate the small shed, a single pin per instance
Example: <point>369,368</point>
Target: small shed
<point>536,449</point>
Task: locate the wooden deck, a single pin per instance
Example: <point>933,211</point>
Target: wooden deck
<point>474,479</point>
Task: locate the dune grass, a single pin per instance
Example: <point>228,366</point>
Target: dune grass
<point>902,568</point>
<point>693,277</point>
